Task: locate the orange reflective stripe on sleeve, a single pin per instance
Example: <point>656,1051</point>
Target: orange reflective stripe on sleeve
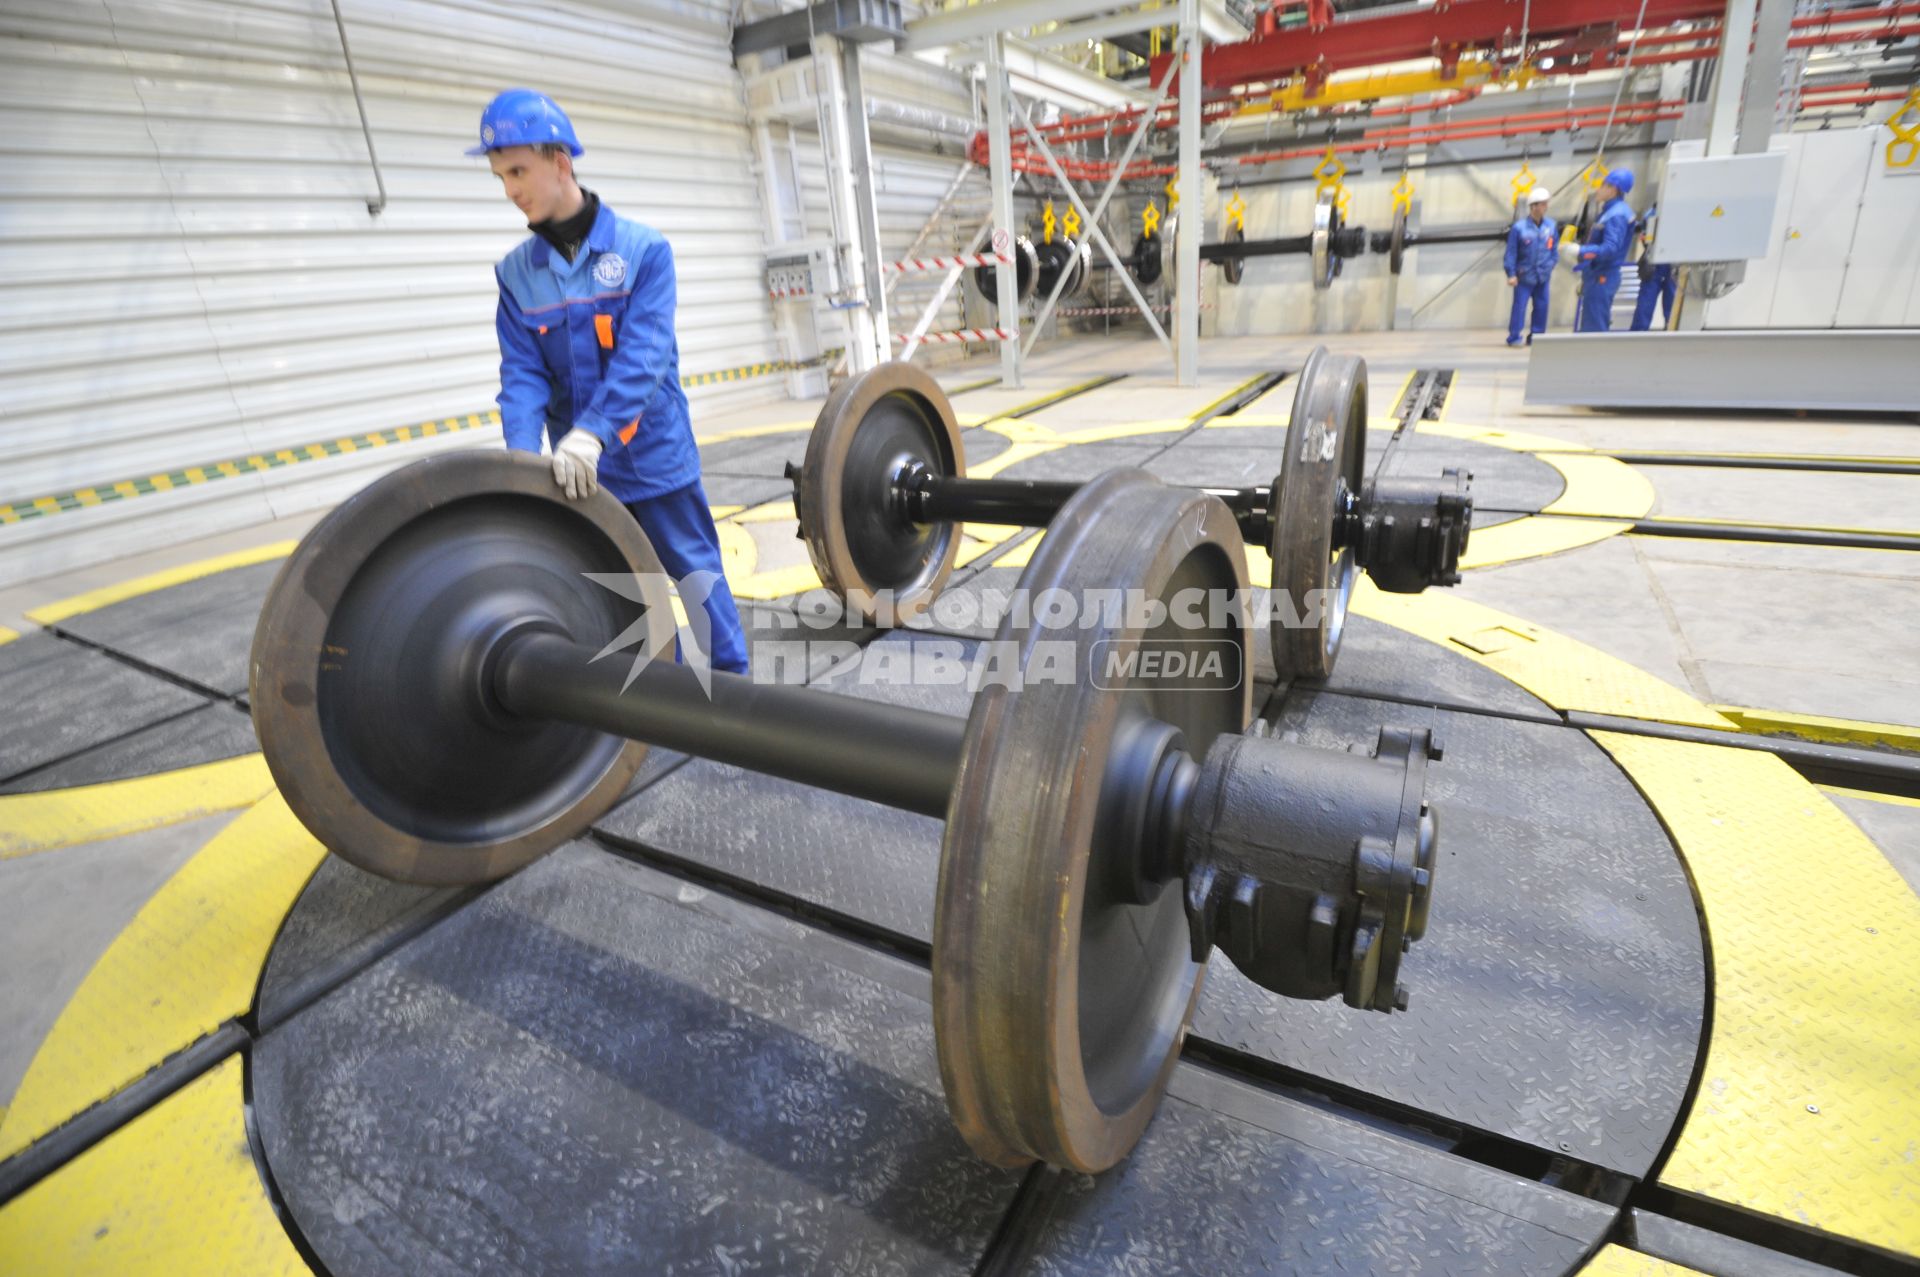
<point>603,328</point>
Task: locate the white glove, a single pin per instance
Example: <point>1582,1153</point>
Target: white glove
<point>576,463</point>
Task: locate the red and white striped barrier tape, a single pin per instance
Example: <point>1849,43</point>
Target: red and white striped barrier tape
<point>949,263</point>
<point>963,334</point>
<point>1117,310</point>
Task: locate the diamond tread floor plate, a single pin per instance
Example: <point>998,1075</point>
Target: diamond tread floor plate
<point>1571,942</point>
<point>597,1062</point>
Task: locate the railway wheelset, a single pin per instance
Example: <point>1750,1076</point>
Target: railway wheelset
<point>883,497</point>
<point>1150,261</point>
<point>458,670</point>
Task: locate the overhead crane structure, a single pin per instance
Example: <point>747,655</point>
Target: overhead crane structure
<point>1477,45</point>
<point>1290,62</point>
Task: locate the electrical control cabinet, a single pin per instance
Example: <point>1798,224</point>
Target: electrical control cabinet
<point>1719,209</point>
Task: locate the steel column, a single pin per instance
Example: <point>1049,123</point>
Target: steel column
<point>1000,171</point>
<point>1186,244</point>
<point>1763,76</point>
<point>866,199</point>
<point>849,169</point>
<point>1731,77</point>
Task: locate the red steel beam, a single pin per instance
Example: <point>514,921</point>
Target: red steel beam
<point>1444,31</point>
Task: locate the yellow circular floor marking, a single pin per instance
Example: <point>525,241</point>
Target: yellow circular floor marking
<point>1807,1108</point>
<point>189,961</point>
<point>174,1191</point>
<point>37,822</point>
<point>53,613</point>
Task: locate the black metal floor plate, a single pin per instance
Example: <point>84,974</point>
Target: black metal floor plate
<point>199,630</point>
<point>216,730</point>
<point>1557,999</point>
<point>597,1068</point>
<point>46,722</point>
<point>1232,1180</point>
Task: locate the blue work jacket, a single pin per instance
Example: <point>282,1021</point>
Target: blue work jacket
<point>1530,250</point>
<point>590,343</point>
<point>1609,240</point>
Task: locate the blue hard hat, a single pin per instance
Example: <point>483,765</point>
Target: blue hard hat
<point>1621,179</point>
<point>522,117</point>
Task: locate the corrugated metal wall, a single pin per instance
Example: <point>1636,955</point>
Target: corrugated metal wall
<point>189,272</point>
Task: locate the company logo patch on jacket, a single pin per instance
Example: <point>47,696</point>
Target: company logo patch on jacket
<point>610,270</point>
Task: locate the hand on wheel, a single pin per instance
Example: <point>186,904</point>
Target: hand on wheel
<point>576,464</point>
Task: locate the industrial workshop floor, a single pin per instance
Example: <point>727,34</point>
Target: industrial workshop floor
<point>1669,1003</point>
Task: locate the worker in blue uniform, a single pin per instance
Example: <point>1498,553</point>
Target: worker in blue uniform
<point>1604,255</point>
<point>1530,246</point>
<point>1656,280</point>
<point>588,357</point>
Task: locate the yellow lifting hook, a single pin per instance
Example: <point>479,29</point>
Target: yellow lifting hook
<point>1329,172</point>
<point>1523,182</point>
<point>1906,133</point>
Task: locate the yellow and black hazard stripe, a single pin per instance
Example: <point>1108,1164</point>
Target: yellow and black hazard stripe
<point>255,463</point>
<point>748,371</point>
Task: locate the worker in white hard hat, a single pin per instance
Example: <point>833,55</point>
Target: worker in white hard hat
<point>1530,257</point>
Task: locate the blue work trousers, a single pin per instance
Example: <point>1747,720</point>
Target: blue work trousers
<point>1660,284</point>
<point>1596,301</point>
<point>680,526</point>
<point>1524,293</point>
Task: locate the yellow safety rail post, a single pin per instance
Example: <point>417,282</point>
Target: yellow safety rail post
<point>1906,132</point>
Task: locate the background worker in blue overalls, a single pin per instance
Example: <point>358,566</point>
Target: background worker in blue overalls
<point>1604,255</point>
<point>1656,280</point>
<point>1530,266</point>
<point>588,355</point>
